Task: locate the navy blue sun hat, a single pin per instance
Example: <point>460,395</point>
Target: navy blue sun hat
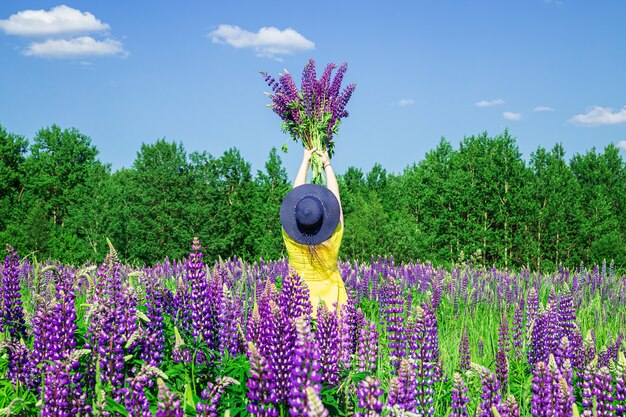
<point>310,214</point>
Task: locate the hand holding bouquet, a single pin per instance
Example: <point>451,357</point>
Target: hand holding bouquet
<point>312,114</point>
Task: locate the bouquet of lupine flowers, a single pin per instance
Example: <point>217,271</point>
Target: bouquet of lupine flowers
<point>312,114</point>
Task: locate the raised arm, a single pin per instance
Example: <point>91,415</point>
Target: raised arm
<point>331,181</point>
<point>304,168</point>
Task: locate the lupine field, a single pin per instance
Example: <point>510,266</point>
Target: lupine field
<point>190,339</point>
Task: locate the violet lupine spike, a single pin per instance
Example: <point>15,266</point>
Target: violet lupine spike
<point>404,395</point>
<point>464,352</point>
<point>563,398</point>
<point>367,348</point>
<point>277,343</point>
<point>305,368</point>
<point>502,371</point>
<point>369,394</point>
<point>603,391</point>
<point>533,305</point>
<point>153,345</point>
<point>620,385</point>
<point>491,391</point>
<point>20,369</point>
<point>587,386</point>
<point>168,404</point>
<point>135,399</point>
<point>423,353</point>
<point>459,397</point>
<point>211,396</point>
<point>229,322</point>
<point>294,299</point>
<point>327,336</point>
<point>63,393</point>
<point>261,393</point>
<point>200,299</point>
<point>542,401</point>
<point>503,335</point>
<point>314,405</point>
<point>393,305</point>
<point>12,314</point>
<point>512,405</point>
<point>567,314</point>
<point>349,332</point>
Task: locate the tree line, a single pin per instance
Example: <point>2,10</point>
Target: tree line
<point>481,203</point>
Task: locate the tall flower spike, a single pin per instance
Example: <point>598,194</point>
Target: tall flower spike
<point>12,315</point>
<point>305,368</point>
<point>168,404</point>
<point>314,407</point>
<point>491,391</point>
<point>327,335</point>
<point>459,397</point>
<point>542,402</point>
<point>261,391</point>
<point>369,394</point>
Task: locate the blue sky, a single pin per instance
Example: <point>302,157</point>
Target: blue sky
<point>129,72</point>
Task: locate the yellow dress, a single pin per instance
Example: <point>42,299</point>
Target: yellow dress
<point>318,268</point>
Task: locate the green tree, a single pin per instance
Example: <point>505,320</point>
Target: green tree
<point>271,186</point>
<point>157,198</point>
<point>12,150</point>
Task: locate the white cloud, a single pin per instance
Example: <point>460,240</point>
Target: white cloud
<point>600,116</point>
<point>81,47</point>
<point>543,109</point>
<point>508,115</point>
<point>622,145</point>
<point>404,102</point>
<point>489,103</point>
<point>267,42</point>
<point>56,21</point>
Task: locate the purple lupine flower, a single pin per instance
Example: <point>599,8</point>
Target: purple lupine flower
<point>200,299</point>
<point>567,315</point>
<point>327,336</point>
<point>312,115</point>
<point>105,335</point>
<point>135,399</point>
<point>542,401</point>
<point>620,385</point>
<point>563,352</point>
<point>502,371</point>
<point>437,291</point>
<point>211,396</point>
<point>503,335</point>
<point>294,300</point>
<point>393,314</point>
<point>152,345</point>
<point>276,343</point>
<point>261,391</point>
<point>518,330</point>
<point>349,332</point>
<point>314,405</point>
<point>21,369</point>
<point>491,391</point>
<point>459,397</point>
<point>403,394</point>
<point>603,391</point>
<point>423,348</point>
<point>587,387</point>
<point>305,369</point>
<point>12,315</point>
<point>464,352</point>
<point>367,348</point>
<point>589,348</point>
<point>563,398</point>
<point>229,322</point>
<point>63,393</point>
<point>369,394</point>
<point>168,404</point>
<point>511,404</point>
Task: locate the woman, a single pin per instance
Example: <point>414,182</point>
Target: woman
<point>312,221</point>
